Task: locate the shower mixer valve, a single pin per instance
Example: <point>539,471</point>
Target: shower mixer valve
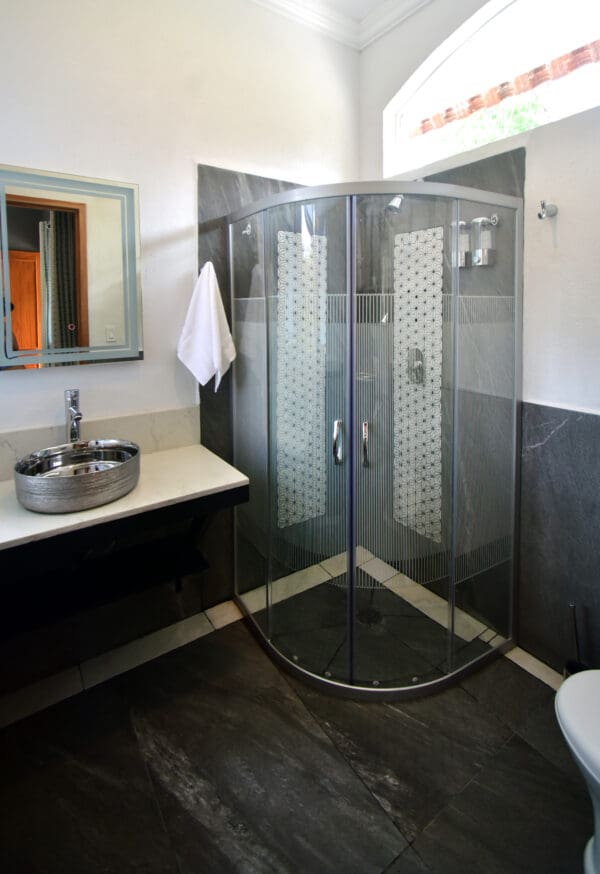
<point>416,366</point>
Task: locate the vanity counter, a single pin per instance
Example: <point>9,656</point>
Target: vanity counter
<point>168,477</point>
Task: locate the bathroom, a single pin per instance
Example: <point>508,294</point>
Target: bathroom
<point>149,95</point>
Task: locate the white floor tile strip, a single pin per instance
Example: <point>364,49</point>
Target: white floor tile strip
<point>535,667</point>
<point>51,690</point>
<point>131,655</point>
<point>255,600</point>
<point>337,565</point>
<point>434,606</point>
<point>417,595</point>
<point>379,570</point>
<point>286,587</point>
<point>223,614</point>
<point>37,696</point>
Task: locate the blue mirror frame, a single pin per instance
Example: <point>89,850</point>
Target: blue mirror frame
<point>127,345</point>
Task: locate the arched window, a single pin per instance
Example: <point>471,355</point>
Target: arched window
<point>514,65</point>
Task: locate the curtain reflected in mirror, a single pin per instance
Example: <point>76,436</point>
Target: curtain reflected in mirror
<point>48,282</point>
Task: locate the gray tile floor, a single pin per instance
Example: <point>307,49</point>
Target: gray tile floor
<point>209,759</point>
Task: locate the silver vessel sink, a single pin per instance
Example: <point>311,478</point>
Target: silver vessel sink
<point>77,476</point>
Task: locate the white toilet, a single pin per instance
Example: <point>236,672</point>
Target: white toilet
<point>577,705</point>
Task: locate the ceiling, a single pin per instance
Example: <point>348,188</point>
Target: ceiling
<point>356,23</point>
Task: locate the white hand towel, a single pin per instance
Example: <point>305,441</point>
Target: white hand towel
<point>205,345</point>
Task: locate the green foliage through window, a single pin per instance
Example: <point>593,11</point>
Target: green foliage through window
<point>512,116</point>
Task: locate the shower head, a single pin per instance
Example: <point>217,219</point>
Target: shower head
<point>396,202</point>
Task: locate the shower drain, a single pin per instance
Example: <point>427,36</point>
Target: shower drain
<point>369,616</point>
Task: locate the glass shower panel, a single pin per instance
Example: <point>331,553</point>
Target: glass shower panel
<point>403,380</point>
<point>250,407</point>
<point>307,300</point>
<point>485,431</point>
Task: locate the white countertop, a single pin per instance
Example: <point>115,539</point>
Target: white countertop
<point>167,477</point>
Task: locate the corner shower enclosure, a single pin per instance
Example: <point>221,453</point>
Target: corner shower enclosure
<point>375,413</point>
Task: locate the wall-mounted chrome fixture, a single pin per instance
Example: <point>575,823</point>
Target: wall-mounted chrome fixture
<point>547,210</point>
<point>365,443</point>
<point>396,202</point>
<point>483,240</point>
<point>464,244</point>
<point>416,366</point>
<point>337,447</point>
<point>247,231</point>
<point>477,241</point>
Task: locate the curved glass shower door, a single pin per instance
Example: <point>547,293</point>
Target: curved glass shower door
<point>375,413</point>
<point>292,538</point>
<point>403,390</point>
<point>307,246</point>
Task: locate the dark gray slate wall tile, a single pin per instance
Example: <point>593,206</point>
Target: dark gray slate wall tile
<point>560,533</point>
<point>221,192</point>
<point>503,173</point>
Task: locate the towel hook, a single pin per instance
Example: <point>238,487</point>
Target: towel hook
<point>247,232</point>
<point>547,210</point>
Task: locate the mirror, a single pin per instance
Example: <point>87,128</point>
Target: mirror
<point>69,252</point>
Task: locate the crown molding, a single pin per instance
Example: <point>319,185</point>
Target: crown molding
<point>344,28</point>
<point>339,27</point>
<point>387,16</point>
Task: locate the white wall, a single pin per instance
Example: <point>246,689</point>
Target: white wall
<point>561,331</point>
<point>386,64</point>
<point>143,91</point>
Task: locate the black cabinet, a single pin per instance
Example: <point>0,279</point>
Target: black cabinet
<point>72,596</point>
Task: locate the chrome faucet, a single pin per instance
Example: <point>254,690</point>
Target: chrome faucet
<point>73,415</point>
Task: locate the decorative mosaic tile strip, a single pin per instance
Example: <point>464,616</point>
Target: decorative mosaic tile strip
<point>417,454</point>
<point>300,377</point>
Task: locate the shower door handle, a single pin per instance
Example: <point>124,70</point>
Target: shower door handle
<point>337,447</point>
<point>365,444</point>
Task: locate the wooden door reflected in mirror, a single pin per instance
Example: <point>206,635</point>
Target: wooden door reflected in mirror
<point>48,276</point>
<point>70,246</point>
